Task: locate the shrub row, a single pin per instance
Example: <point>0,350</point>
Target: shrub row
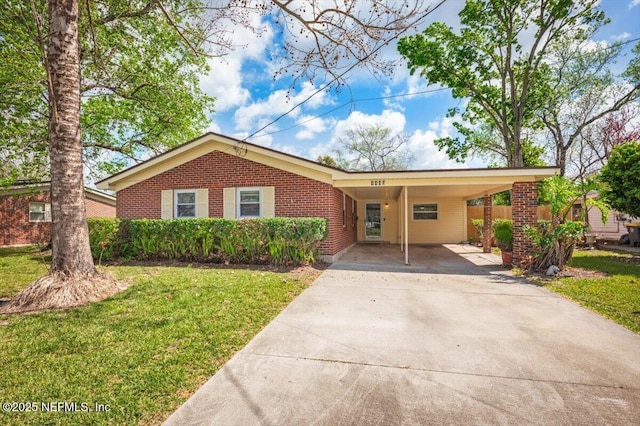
<point>264,240</point>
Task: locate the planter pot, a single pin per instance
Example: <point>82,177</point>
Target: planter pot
<point>507,258</point>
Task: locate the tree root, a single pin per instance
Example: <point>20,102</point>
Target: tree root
<point>59,291</point>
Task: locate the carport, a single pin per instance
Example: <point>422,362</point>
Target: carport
<point>429,206</point>
<point>455,259</point>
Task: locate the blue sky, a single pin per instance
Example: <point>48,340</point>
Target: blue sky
<point>248,97</point>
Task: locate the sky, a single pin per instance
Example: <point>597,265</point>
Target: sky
<point>248,97</point>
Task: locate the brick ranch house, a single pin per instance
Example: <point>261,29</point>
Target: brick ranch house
<point>218,176</point>
<point>25,212</point>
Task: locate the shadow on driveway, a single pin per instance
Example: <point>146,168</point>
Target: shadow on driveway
<point>453,259</point>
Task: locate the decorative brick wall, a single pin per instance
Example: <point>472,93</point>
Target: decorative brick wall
<point>99,209</point>
<point>15,228</point>
<point>295,195</point>
<point>524,202</point>
<point>487,216</point>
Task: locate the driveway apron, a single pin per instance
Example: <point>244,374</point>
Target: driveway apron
<point>450,339</point>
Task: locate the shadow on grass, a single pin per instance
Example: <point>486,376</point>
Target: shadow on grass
<point>610,264</point>
<point>318,266</point>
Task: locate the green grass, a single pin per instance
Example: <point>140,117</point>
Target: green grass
<point>616,296</point>
<point>18,267</point>
<point>142,352</point>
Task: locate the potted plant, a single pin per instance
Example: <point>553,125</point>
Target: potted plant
<point>503,233</point>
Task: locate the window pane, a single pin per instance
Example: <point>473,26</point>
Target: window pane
<point>425,211</point>
<point>250,209</point>
<point>186,198</point>
<point>249,196</point>
<point>36,216</point>
<point>36,207</point>
<point>425,207</point>
<point>186,210</point>
<point>37,212</point>
<point>425,216</point>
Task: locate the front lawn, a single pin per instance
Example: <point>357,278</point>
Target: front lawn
<point>141,353</point>
<point>19,266</point>
<point>616,295</point>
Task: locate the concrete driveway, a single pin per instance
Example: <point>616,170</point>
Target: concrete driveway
<point>462,343</point>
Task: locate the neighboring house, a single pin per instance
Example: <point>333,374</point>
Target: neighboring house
<point>612,230</point>
<point>25,212</point>
<point>217,176</point>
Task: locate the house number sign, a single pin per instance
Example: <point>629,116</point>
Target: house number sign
<point>377,183</point>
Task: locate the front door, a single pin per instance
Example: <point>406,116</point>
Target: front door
<point>373,221</point>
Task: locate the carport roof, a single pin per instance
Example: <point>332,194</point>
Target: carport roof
<point>455,183</point>
<point>458,183</point>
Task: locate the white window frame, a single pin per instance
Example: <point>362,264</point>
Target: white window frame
<point>46,212</point>
<point>175,203</point>
<point>239,192</point>
<point>413,211</point>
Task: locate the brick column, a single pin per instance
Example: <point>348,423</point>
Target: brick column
<point>524,203</point>
<point>487,231</point>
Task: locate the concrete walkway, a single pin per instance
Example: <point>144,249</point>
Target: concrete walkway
<point>464,343</point>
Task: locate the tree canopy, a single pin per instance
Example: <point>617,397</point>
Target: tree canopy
<point>374,148</point>
<point>622,176</point>
<point>584,91</point>
<point>141,61</point>
<point>499,63</point>
<point>139,81</point>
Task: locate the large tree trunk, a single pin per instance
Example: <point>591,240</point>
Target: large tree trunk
<point>74,279</point>
<point>561,160</point>
<point>70,236</point>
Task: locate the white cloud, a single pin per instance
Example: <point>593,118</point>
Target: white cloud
<point>426,154</point>
<point>633,3</point>
<point>624,36</point>
<point>289,149</point>
<point>279,102</point>
<point>225,79</point>
<point>421,142</point>
<point>393,120</point>
<point>213,127</point>
<point>311,126</point>
<point>391,102</point>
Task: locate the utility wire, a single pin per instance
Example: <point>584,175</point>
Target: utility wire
<point>350,102</point>
<point>358,62</point>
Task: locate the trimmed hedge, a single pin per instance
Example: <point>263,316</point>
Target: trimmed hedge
<point>104,238</point>
<point>264,240</point>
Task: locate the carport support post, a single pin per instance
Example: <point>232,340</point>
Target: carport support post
<point>406,226</point>
<point>524,204</point>
<point>486,228</point>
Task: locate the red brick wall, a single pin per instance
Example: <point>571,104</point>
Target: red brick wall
<point>295,195</point>
<point>15,228</point>
<point>524,202</point>
<point>98,209</point>
<point>340,237</point>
